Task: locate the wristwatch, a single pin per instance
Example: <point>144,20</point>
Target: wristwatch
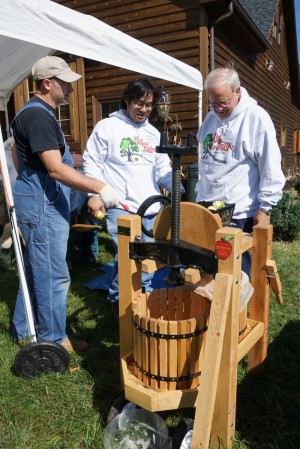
<point>265,210</point>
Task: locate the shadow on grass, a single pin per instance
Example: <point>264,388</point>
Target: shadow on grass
<point>102,360</point>
<point>89,318</point>
<point>92,320</point>
<point>268,407</point>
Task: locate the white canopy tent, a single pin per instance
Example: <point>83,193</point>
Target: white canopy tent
<point>31,29</point>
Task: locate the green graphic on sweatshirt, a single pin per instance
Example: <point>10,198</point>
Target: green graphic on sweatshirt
<point>128,148</point>
<point>207,145</point>
<point>209,151</point>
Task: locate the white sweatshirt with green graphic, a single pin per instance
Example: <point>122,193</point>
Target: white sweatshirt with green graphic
<point>239,159</point>
<point>123,154</point>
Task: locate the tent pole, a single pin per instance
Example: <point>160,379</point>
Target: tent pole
<point>16,241</point>
<point>200,108</point>
<point>6,119</point>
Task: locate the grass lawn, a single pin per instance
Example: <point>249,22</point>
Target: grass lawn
<point>69,411</point>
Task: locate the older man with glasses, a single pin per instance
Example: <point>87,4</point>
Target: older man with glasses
<point>239,157</point>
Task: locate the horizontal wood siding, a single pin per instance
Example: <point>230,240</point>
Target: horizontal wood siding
<point>181,30</point>
<point>265,86</point>
<point>169,26</point>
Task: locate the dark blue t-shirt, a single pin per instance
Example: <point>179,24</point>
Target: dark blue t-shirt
<point>36,130</point>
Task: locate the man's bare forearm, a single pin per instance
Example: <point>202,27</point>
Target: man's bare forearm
<point>68,175</point>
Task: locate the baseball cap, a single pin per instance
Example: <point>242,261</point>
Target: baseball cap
<point>52,66</point>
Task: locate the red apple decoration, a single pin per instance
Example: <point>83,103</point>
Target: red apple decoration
<point>223,249</point>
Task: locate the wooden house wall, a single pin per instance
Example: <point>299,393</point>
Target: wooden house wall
<point>169,26</point>
<point>267,87</point>
<point>180,29</point>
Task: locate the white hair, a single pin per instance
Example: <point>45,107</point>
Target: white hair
<point>222,77</point>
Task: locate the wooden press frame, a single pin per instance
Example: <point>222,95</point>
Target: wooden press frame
<point>215,399</point>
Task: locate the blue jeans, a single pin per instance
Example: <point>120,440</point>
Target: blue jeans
<point>246,224</point>
<point>112,227</point>
<point>43,217</point>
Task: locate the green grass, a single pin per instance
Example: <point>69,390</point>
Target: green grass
<point>69,411</point>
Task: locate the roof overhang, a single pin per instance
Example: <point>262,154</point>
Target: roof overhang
<point>236,25</point>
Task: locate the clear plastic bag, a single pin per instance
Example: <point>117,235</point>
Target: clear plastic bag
<point>207,286</point>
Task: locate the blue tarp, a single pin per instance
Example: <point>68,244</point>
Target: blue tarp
<point>102,282</point>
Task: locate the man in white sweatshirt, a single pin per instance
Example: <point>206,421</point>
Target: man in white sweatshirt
<point>239,157</point>
<point>121,151</point>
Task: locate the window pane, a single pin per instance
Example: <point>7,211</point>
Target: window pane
<point>63,117</point>
<point>65,126</point>
<point>64,112</point>
<point>108,107</point>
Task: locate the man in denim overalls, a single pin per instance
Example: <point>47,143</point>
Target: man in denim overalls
<point>42,201</point>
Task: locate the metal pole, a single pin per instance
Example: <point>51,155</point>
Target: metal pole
<point>16,241</point>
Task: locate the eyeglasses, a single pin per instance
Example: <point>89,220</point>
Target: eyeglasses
<point>222,104</point>
<point>141,104</point>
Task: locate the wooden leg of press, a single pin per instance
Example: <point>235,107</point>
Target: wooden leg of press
<point>223,425</point>
<point>129,226</point>
<point>211,363</point>
<point>260,301</point>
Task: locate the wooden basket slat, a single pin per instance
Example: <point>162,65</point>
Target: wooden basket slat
<point>143,305</point>
<point>192,355</point>
<point>139,342</point>
<point>158,312</point>
<point>171,304</point>
<point>150,304</point>
<point>172,353</point>
<point>156,304</point>
<point>182,362</point>
<point>200,323</point>
<point>179,304</point>
<point>163,303</point>
<point>135,339</point>
<point>163,355</point>
<point>204,323</point>
<point>198,349</point>
<point>145,348</point>
<point>187,306</point>
<point>154,353</point>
